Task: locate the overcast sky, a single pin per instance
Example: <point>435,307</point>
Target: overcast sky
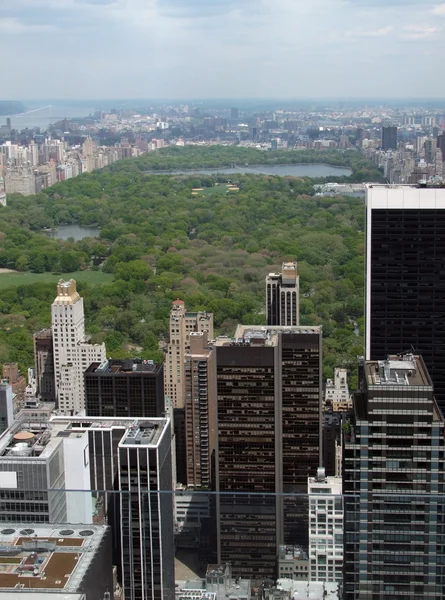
<point>222,48</point>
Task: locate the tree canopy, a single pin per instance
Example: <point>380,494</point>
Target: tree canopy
<point>161,242</point>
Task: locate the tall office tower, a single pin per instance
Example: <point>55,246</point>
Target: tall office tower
<point>283,296</point>
<point>6,406</point>
<point>72,353</point>
<point>127,472</point>
<point>441,144</point>
<point>182,323</point>
<point>125,388</point>
<point>405,276</point>
<point>44,364</point>
<point>234,113</point>
<point>393,484</point>
<point>325,528</point>
<point>430,151</point>
<point>146,511</point>
<point>389,138</point>
<point>200,407</point>
<point>269,422</point>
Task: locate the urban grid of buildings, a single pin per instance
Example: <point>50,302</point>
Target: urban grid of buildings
<point>234,450</point>
<point>407,145</point>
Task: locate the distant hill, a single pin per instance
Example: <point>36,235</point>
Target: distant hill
<point>11,107</point>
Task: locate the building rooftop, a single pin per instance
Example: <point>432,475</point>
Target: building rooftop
<point>37,438</point>
<point>47,557</point>
<point>263,335</point>
<point>66,292</point>
<point>397,370</point>
<point>114,367</point>
<point>312,590</point>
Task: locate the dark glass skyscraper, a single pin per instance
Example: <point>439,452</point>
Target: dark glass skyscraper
<point>405,276</point>
<point>124,388</point>
<point>389,138</point>
<point>393,485</point>
<point>269,432</point>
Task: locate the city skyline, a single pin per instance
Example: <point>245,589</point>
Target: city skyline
<point>326,42</point>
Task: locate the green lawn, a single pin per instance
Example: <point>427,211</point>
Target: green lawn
<point>91,277</point>
<point>221,189</point>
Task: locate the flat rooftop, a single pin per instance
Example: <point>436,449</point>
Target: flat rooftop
<point>47,557</point>
<point>31,438</point>
<point>402,370</point>
<point>126,367</point>
<point>402,196</point>
<point>263,335</point>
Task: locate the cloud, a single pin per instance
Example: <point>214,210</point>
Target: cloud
<point>439,10</point>
<point>96,2</point>
<point>202,8</point>
<point>12,25</point>
<point>371,33</point>
<point>418,32</point>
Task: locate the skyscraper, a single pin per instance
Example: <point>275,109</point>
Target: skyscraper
<point>269,421</point>
<point>182,323</point>
<point>441,144</point>
<point>200,407</point>
<point>283,296</point>
<point>44,365</point>
<point>393,484</point>
<point>130,460</point>
<point>146,511</point>
<point>72,353</point>
<point>405,275</point>
<point>125,388</point>
<point>389,138</point>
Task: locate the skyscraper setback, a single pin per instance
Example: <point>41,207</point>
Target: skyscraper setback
<point>269,420</point>
<point>283,296</point>
<point>405,275</point>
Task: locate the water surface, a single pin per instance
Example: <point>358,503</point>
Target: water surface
<point>77,232</point>
<point>301,170</point>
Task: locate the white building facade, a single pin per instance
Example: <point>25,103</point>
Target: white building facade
<point>72,353</point>
<point>325,528</point>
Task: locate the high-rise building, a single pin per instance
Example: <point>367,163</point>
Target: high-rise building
<point>128,467</point>
<point>441,144</point>
<point>283,296</point>
<point>6,406</point>
<point>393,484</point>
<point>269,430</point>
<point>44,365</point>
<point>72,353</point>
<point>405,275</point>
<point>125,388</point>
<point>38,467</point>
<point>146,511</point>
<point>234,113</point>
<point>325,528</point>
<point>200,407</point>
<point>389,138</point>
<point>182,323</point>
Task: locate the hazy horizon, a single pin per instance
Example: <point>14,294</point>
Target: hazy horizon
<point>224,49</point>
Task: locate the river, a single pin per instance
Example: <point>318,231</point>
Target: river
<point>301,170</point>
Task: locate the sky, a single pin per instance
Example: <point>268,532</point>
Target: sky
<point>79,49</point>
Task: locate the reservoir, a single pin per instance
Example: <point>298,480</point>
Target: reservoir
<point>301,170</point>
